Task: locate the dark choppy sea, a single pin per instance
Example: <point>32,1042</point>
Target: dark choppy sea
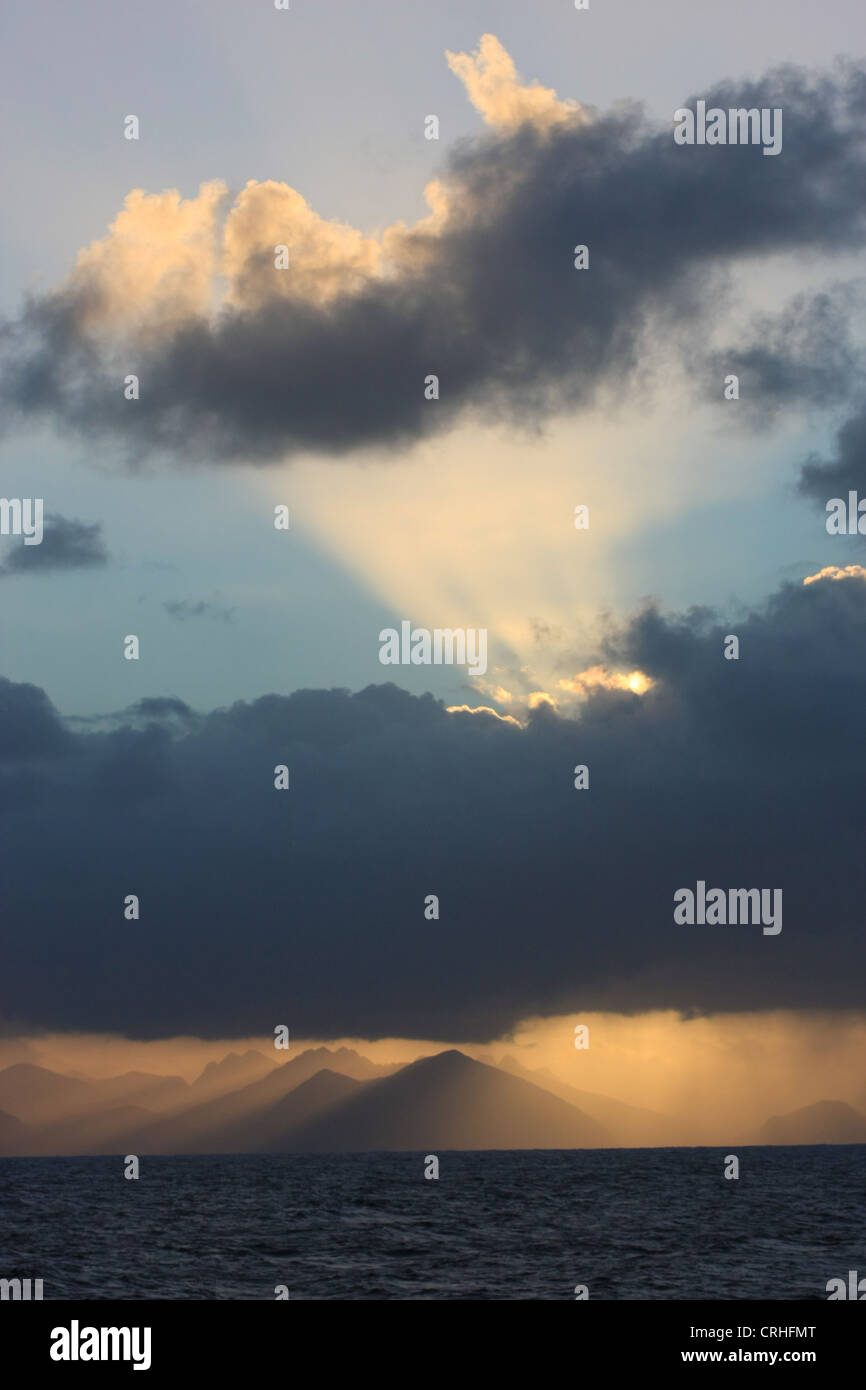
<point>628,1224</point>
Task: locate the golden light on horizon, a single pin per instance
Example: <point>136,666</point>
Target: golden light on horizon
<point>715,1077</point>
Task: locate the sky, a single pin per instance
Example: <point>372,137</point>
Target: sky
<point>305,388</point>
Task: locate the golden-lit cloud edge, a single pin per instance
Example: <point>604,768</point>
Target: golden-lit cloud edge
<point>834,572</point>
<point>168,259</point>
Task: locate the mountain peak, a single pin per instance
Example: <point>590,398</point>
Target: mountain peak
<point>449,1060</point>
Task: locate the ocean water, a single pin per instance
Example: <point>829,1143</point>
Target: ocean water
<point>627,1223</point>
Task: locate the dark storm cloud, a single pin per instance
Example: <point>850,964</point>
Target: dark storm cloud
<point>496,310</point>
<point>159,711</point>
<point>163,707</point>
<point>65,545</point>
<point>306,906</point>
<point>29,725</point>
<point>846,470</point>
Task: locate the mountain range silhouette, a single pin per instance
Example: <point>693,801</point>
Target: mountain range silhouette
<point>335,1100</point>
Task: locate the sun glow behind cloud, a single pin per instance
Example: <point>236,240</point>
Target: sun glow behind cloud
<point>599,677</point>
<point>478,532</point>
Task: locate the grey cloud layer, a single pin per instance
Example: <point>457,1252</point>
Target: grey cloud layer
<point>846,470</point>
<point>804,355</point>
<point>497,310</point>
<point>305,907</point>
<point>66,544</point>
